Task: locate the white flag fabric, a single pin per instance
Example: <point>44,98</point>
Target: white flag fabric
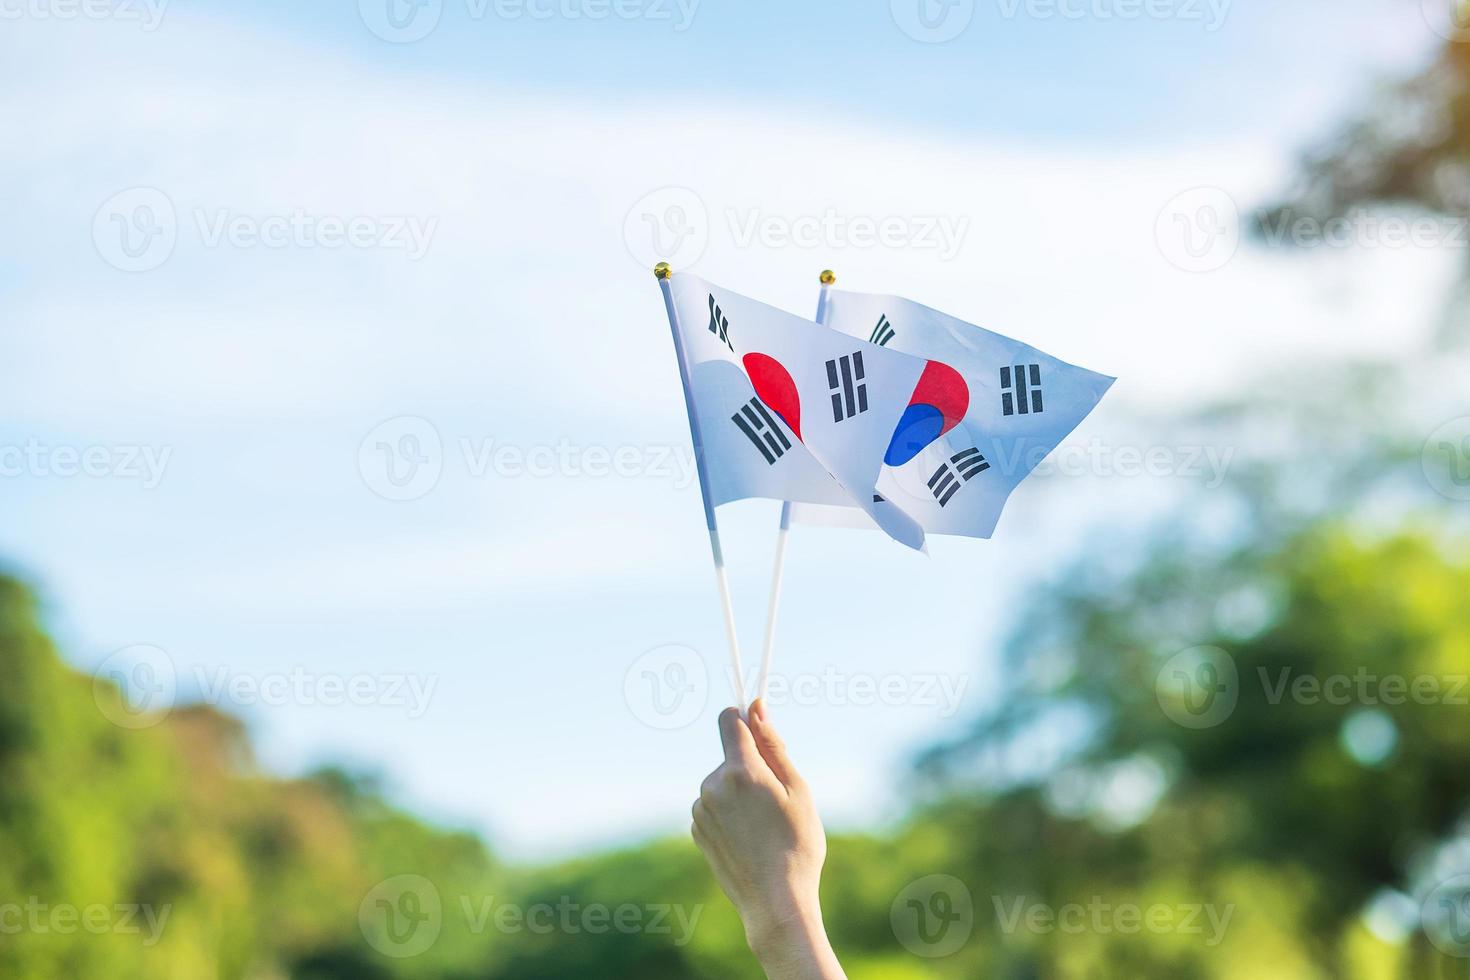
<point>791,410</point>
<point>981,421</point>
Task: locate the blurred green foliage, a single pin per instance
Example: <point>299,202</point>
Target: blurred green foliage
<point>1270,818</point>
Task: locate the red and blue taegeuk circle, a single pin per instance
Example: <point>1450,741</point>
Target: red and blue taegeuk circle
<point>939,402</point>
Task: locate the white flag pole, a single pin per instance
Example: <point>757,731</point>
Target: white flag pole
<point>662,273</point>
<point>828,277</point>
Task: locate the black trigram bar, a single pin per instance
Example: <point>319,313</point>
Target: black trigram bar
<point>1020,398</point>
<point>761,429</point>
<point>968,463</point>
<point>882,333</point>
<point>718,324</point>
<point>849,393</point>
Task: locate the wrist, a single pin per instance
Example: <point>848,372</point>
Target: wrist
<point>790,940</point>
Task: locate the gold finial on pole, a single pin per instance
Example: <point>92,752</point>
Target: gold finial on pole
<point>662,271</point>
<point>828,277</point>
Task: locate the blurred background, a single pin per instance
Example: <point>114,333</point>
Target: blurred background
<point>356,618</point>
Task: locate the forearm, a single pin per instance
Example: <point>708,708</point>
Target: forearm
<point>797,950</point>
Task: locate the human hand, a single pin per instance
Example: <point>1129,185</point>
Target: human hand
<point>758,828</point>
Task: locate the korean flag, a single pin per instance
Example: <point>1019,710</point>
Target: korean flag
<point>989,409</point>
<point>791,410</point>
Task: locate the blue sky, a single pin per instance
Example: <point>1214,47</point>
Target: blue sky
<point>522,149</point>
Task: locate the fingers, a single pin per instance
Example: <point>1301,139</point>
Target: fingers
<point>739,744</point>
<point>771,747</point>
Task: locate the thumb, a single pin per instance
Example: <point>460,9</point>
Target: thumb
<point>771,747</point>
